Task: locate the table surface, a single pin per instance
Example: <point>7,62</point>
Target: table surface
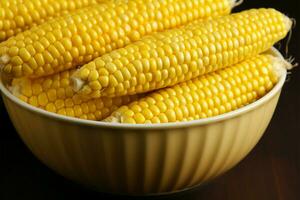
<point>270,171</point>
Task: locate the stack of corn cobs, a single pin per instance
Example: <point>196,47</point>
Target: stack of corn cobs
<point>139,61</point>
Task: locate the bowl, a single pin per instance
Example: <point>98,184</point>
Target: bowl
<point>141,159</point>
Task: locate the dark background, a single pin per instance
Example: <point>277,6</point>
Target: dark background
<point>270,171</point>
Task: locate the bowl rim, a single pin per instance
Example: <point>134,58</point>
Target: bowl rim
<point>276,89</point>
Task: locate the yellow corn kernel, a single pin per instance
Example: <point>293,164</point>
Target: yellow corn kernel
<point>54,94</point>
<point>17,16</point>
<point>91,32</point>
<point>196,42</point>
<point>190,107</point>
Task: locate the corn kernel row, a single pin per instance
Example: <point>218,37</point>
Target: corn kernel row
<point>54,94</point>
<point>18,15</point>
<point>209,95</point>
<point>76,39</point>
<point>174,56</point>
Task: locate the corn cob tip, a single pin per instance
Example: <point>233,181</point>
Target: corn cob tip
<point>279,63</point>
<point>117,116</point>
<point>114,119</point>
<point>4,59</point>
<point>77,83</point>
<point>15,89</point>
<point>288,22</point>
<point>17,85</point>
<point>280,66</point>
<point>235,3</point>
<point>285,63</point>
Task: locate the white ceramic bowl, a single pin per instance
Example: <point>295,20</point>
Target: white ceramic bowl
<point>141,159</point>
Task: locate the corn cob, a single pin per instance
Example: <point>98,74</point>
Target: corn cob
<point>54,94</point>
<point>89,33</point>
<point>19,15</point>
<point>206,96</point>
<point>165,59</point>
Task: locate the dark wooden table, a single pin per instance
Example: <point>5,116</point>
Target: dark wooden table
<point>270,171</point>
